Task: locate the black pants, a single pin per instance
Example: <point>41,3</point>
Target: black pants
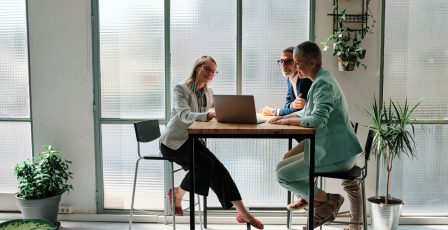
<point>209,172</point>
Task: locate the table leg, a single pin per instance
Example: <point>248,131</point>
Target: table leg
<point>192,188</point>
<point>311,185</point>
<point>290,196</point>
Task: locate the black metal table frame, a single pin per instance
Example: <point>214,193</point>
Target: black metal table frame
<point>311,137</point>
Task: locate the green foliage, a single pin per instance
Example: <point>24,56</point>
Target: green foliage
<point>347,42</point>
<point>394,133</point>
<point>46,176</point>
<point>21,224</point>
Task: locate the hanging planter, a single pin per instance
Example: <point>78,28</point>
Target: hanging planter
<point>347,65</point>
<point>346,42</point>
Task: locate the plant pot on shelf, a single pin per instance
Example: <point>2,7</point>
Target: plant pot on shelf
<point>385,216</point>
<point>347,65</point>
<point>46,208</point>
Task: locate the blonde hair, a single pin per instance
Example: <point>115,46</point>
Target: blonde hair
<point>193,74</point>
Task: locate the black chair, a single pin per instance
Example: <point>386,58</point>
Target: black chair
<point>355,173</point>
<point>148,131</point>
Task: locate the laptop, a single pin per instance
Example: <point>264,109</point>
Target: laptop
<point>236,109</point>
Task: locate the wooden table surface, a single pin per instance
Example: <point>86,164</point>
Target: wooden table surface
<point>215,127</point>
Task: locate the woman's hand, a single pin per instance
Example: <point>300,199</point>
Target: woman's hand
<point>211,115</point>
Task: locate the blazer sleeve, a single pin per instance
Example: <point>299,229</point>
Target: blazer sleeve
<point>323,105</point>
<point>183,100</point>
<point>289,96</point>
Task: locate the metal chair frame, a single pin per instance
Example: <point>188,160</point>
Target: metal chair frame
<point>356,173</point>
<point>148,131</point>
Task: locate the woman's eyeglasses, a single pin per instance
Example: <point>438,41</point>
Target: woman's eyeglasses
<point>284,62</point>
<point>209,69</point>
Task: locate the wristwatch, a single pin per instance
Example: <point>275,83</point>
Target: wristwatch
<point>274,112</point>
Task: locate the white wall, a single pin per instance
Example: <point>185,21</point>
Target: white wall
<point>62,86</point>
<point>360,85</point>
<point>62,89</point>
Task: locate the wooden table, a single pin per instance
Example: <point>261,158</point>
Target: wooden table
<point>215,129</point>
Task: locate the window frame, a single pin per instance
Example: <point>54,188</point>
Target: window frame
<point>98,121</point>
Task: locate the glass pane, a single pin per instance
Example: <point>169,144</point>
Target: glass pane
<point>252,165</point>
<point>415,55</point>
<point>422,182</point>
<point>132,59</point>
<point>269,28</point>
<point>204,27</point>
<point>14,92</point>
<point>119,158</point>
<point>15,139</point>
<point>261,49</point>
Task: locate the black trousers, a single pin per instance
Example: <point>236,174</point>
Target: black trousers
<point>209,172</point>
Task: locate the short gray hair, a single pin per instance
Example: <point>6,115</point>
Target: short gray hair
<point>310,50</point>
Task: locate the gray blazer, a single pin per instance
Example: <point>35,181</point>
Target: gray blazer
<point>184,113</point>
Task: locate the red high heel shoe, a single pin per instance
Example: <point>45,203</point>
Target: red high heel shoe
<point>256,223</point>
<point>177,210</point>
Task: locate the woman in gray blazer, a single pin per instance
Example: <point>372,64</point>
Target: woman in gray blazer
<point>192,101</point>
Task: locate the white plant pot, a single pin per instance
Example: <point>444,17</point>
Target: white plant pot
<point>40,208</point>
<point>385,216</point>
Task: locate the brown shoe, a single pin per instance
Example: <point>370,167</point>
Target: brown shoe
<point>328,210</point>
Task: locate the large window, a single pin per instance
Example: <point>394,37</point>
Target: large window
<point>15,122</point>
<point>135,80</point>
<point>415,66</point>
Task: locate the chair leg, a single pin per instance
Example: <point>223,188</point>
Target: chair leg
<point>131,214</point>
<point>321,182</point>
<point>205,212</point>
<point>173,209</point>
<point>200,212</point>
<point>364,215</point>
<point>290,196</point>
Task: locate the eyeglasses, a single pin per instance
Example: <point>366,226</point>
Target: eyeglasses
<point>284,62</point>
<point>209,69</point>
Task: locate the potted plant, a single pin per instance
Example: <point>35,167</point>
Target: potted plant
<point>35,224</point>
<point>394,139</point>
<point>346,43</point>
<point>41,182</point>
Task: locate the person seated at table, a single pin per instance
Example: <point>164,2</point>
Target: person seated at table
<point>297,87</point>
<point>192,102</point>
<point>336,146</point>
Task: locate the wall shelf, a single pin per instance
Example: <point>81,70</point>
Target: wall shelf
<point>357,22</point>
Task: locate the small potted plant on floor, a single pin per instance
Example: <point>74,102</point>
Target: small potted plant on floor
<point>41,182</point>
<point>394,139</point>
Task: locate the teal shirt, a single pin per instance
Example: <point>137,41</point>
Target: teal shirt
<point>326,110</point>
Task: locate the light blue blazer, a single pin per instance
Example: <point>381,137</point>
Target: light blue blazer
<point>184,112</point>
<point>326,110</point>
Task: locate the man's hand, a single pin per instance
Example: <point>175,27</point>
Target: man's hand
<point>276,120</point>
<point>267,111</point>
<point>299,102</point>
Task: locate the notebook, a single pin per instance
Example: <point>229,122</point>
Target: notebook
<point>236,109</point>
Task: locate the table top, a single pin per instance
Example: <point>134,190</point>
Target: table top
<point>213,127</point>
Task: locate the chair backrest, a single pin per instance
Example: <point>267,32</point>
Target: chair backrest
<point>369,142</point>
<point>355,126</point>
<point>147,131</point>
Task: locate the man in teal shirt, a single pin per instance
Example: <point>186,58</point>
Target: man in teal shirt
<point>337,146</point>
